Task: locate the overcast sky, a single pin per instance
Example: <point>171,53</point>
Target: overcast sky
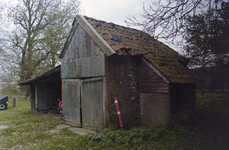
<point>114,11</point>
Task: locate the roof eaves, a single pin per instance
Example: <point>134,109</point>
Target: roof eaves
<point>47,73</point>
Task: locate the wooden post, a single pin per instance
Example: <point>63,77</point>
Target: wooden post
<point>17,101</point>
<point>14,102</point>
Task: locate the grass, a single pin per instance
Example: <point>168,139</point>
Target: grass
<point>208,129</point>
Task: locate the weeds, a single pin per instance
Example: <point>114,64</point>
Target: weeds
<point>208,129</point>
<point>134,136</point>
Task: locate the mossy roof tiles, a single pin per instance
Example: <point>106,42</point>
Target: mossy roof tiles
<point>130,41</point>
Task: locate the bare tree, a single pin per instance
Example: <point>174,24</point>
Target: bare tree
<point>29,43</point>
<point>166,19</point>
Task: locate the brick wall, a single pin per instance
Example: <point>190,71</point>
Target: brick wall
<point>122,82</point>
<point>154,97</point>
<point>144,97</point>
<point>155,108</point>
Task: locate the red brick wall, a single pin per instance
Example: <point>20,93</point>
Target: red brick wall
<point>154,97</point>
<point>144,97</point>
<point>122,82</point>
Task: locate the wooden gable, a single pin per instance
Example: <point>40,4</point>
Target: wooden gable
<point>81,56</point>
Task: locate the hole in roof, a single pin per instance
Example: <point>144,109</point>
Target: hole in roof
<point>116,38</point>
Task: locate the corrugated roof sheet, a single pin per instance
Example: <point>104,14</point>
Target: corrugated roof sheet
<point>128,41</point>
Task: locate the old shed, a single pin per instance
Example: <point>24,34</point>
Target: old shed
<point>45,90</point>
<point>103,60</point>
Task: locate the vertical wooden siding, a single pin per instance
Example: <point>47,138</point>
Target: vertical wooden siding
<point>41,96</point>
<point>91,100</point>
<point>85,54</point>
<point>81,66</point>
<point>92,103</point>
<point>72,101</point>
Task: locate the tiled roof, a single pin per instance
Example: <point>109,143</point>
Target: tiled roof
<point>128,41</point>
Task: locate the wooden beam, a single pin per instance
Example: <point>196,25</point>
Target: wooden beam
<point>105,47</point>
<point>88,46</point>
<point>78,70</point>
<point>156,70</point>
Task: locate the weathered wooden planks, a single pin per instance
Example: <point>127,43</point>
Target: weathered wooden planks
<point>95,36</point>
<point>92,102</point>
<point>84,52</point>
<point>89,67</point>
<point>71,101</point>
<point>150,81</point>
<point>83,59</point>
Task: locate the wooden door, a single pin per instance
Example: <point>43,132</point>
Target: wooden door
<point>92,103</point>
<point>71,93</point>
